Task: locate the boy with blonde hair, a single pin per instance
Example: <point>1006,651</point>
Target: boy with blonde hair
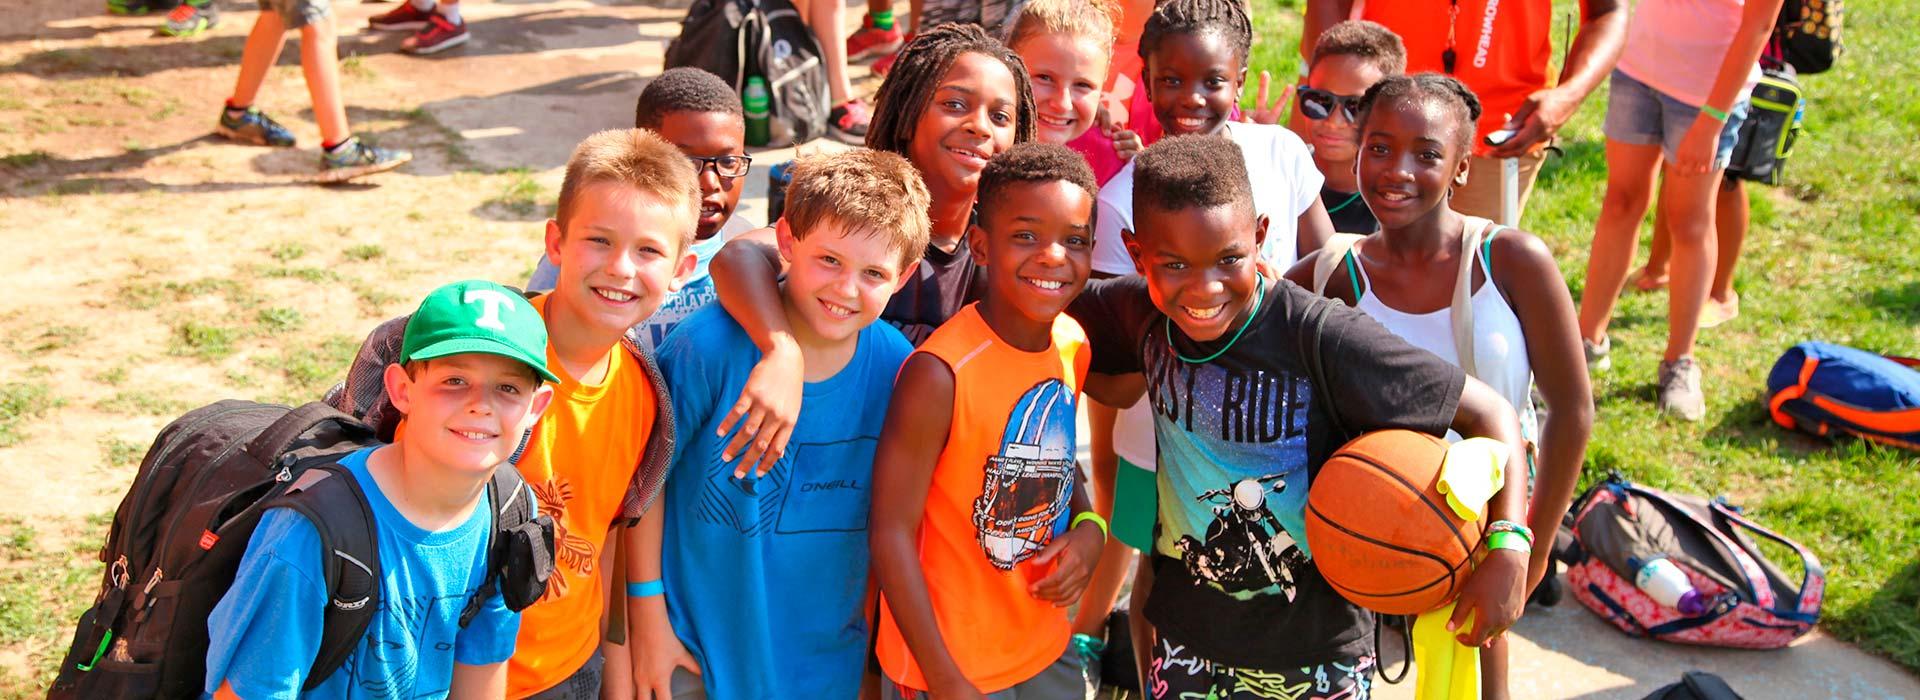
<point>626,217</point>
<point>752,581</point>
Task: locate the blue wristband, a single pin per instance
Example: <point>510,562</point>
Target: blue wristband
<point>646,589</point>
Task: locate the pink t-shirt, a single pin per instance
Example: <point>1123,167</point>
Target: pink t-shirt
<point>1676,46</point>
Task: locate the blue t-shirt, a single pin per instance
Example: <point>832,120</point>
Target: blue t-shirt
<point>696,293</point>
<point>265,634</point>
<point>765,576</point>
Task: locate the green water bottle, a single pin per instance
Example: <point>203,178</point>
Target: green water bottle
<point>756,101</point>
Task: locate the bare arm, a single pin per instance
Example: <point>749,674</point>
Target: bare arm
<point>1315,227</point>
<point>1695,154</point>
<point>1495,592</point>
<point>1533,285</point>
<point>918,420</point>
<point>652,644</point>
<point>1603,33</point>
<point>487,682</point>
<point>744,274</point>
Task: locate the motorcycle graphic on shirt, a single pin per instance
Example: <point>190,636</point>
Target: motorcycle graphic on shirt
<point>1028,482</point>
<point>1246,550</point>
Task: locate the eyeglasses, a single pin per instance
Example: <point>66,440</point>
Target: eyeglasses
<point>724,166</point>
<point>1319,104</point>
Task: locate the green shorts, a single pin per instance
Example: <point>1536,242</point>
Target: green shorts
<point>1136,504</point>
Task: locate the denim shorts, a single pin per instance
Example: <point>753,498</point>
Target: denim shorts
<point>1641,115</point>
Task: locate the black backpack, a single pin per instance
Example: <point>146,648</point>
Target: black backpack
<point>768,39</point>
<point>178,536</point>
<point>1767,135</point>
<point>1807,35</point>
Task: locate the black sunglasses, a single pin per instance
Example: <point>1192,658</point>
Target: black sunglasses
<point>1319,104</point>
<point>724,166</point>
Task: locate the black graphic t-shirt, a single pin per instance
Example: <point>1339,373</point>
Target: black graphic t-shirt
<point>1348,211</point>
<point>1240,438</point>
<point>944,282</point>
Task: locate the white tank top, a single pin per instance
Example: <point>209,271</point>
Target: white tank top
<point>1499,346</point>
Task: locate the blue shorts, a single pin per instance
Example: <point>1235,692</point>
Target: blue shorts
<point>1641,115</point>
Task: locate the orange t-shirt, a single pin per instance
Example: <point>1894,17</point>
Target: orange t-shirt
<point>582,457</point>
<point>1501,47</point>
<point>1000,490</point>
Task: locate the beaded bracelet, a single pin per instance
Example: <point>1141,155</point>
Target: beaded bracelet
<point>1499,526</point>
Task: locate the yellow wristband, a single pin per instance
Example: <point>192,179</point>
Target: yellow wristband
<point>1095,517</point>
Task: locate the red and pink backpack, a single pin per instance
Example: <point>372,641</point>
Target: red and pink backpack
<point>1754,603</point>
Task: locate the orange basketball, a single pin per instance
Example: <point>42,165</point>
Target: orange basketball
<point>1381,532</point>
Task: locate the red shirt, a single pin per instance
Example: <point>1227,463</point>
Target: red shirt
<point>1501,47</point>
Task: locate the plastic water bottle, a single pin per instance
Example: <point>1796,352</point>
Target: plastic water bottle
<point>1666,583</point>
<point>756,103</point>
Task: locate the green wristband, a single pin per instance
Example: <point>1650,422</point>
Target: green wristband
<point>1509,540</point>
<point>1717,115</point>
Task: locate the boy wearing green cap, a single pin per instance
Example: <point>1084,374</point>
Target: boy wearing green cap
<point>470,380</point>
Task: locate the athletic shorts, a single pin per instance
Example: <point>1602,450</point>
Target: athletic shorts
<point>584,684</point>
<point>298,13</point>
<point>1177,673</point>
<point>1066,679</point>
<point>1641,115</point>
<point>1136,505</point>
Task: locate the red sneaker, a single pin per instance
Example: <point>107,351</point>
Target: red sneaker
<point>872,42</point>
<point>404,18</point>
<point>439,35</point>
<point>885,64</point>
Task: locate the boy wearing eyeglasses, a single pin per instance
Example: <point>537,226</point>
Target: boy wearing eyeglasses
<point>1350,57</point>
<point>696,112</point>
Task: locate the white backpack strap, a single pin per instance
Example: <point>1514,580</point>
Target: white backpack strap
<point>1331,254</point>
<point>1462,310</point>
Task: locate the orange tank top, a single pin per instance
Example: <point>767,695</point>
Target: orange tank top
<point>999,494</point>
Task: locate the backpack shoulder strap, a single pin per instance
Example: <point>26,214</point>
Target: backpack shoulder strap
<point>1813,574</point>
<point>512,502</point>
<point>1310,342</point>
<point>1462,306</point>
<point>1336,249</point>
<point>330,498</point>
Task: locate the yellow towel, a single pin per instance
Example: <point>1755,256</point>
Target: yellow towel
<point>1473,470</point>
<point>1449,670</point>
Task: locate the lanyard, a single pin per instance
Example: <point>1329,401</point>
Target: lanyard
<point>1448,57</point>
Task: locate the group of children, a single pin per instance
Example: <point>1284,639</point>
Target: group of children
<point>773,496</point>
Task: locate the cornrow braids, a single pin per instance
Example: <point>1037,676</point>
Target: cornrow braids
<point>909,87</point>
<point>1454,95</point>
<point>684,89</point>
<point>1226,18</point>
<point>1032,162</point>
<point>1191,171</point>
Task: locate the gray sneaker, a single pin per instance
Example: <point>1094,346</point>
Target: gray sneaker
<point>1680,392</point>
<point>356,159</point>
<point>1599,356</point>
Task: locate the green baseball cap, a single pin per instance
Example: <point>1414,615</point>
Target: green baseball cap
<point>477,316</point>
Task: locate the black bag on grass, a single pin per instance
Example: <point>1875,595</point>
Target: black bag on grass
<point>179,534</point>
<point>1766,138</point>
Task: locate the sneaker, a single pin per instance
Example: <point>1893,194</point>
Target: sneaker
<point>847,123</point>
<point>357,159</point>
<point>1715,313</point>
<point>190,19</point>
<point>405,18</point>
<point>128,7</point>
<point>872,42</point>
<point>253,127</point>
<point>1599,356</point>
<point>1680,392</point>
<point>439,35</point>
<point>885,64</point>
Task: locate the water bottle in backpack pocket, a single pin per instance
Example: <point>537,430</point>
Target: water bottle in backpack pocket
<point>1775,109</point>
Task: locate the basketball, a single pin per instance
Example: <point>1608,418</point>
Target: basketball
<point>1380,531</point>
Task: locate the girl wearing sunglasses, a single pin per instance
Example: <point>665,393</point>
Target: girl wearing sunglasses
<point>1350,57</point>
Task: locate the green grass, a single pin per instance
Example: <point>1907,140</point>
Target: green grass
<point>19,403</point>
<point>309,369</point>
<point>42,591</point>
<point>363,252</point>
<point>280,319</point>
<point>522,195</point>
<point>1830,255</point>
<point>121,453</point>
<point>204,341</point>
<point>142,402</point>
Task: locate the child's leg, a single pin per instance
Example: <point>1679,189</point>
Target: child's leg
<point>1689,203</point>
<point>1730,218</point>
<point>828,20</point>
<point>320,60</point>
<point>1493,670</point>
<point>1654,274</point>
<point>261,52</point>
<point>1145,641</point>
<point>1630,171</point>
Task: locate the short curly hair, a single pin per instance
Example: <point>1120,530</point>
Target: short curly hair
<point>1455,96</point>
<point>868,192</point>
<point>1192,171</point>
<point>1368,41</point>
<point>1029,163</point>
<point>684,89</point>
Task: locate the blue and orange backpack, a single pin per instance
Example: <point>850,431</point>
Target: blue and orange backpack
<point>1822,388</point>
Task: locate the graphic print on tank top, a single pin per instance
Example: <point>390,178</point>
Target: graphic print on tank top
<point>1028,482</point>
<point>1233,446</point>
